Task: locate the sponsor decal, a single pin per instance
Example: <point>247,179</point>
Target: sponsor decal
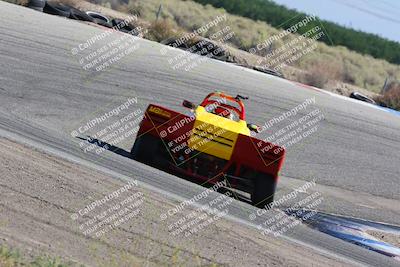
<point>159,111</point>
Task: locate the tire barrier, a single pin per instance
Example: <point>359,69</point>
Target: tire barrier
<point>361,97</point>
<point>76,14</point>
<point>57,9</point>
<point>125,28</point>
<point>100,19</point>
<point>80,15</point>
<point>37,4</point>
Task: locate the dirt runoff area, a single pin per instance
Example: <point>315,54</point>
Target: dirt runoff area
<point>52,207</point>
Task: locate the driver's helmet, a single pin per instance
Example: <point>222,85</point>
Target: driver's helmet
<point>223,112</point>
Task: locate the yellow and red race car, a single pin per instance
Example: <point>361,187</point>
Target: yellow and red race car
<point>210,144</point>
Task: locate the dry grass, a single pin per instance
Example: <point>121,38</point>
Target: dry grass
<point>161,30</point>
<point>12,258</point>
<point>18,2</point>
<point>358,70</point>
<point>9,258</point>
<point>319,73</point>
<point>323,67</point>
<point>391,97</point>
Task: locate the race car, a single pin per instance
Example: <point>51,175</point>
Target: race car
<point>210,144</point>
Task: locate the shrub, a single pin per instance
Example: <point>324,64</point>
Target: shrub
<point>319,73</point>
<point>161,30</point>
<point>391,97</point>
<point>12,258</point>
<point>9,258</point>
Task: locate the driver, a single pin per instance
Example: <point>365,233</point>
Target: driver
<point>223,112</point>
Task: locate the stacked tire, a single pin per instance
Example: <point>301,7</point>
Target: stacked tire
<point>80,15</point>
<point>57,9</point>
<point>100,19</point>
<point>73,13</point>
<point>37,4</point>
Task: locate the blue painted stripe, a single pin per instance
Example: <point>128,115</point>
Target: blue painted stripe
<point>395,112</point>
<point>352,230</point>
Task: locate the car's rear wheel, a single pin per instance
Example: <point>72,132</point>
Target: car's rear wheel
<point>144,148</point>
<point>264,190</point>
<point>150,150</point>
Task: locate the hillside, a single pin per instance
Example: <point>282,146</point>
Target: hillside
<point>335,68</point>
<point>332,63</point>
<point>327,65</point>
<point>274,14</point>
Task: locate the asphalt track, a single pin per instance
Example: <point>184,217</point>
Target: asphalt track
<point>45,93</point>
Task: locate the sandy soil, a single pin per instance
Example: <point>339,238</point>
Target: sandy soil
<point>40,194</point>
<point>390,238</point>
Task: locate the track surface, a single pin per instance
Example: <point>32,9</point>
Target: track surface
<point>45,93</point>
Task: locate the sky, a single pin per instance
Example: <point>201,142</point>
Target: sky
<point>381,17</point>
